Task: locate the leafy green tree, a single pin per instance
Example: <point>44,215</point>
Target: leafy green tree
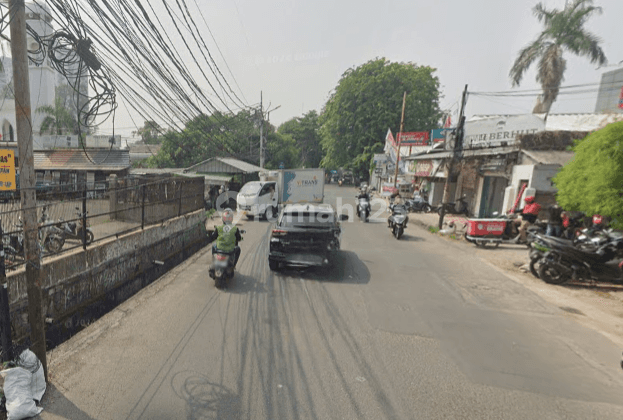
<point>150,132</point>
<point>208,136</point>
<point>281,148</point>
<point>593,181</point>
<point>367,101</point>
<point>59,119</point>
<point>305,131</point>
<point>563,30</point>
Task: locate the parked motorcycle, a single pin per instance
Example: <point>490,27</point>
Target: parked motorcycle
<point>562,261</point>
<point>222,267</point>
<point>499,229</point>
<point>397,221</point>
<point>50,236</point>
<point>418,204</point>
<point>73,230</point>
<point>459,207</point>
<point>363,206</point>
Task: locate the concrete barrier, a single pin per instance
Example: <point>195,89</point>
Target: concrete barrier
<point>83,285</point>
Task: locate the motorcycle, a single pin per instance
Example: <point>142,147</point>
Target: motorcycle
<point>451,208</point>
<point>397,221</point>
<point>222,267</point>
<point>50,239</point>
<point>498,230</point>
<point>73,230</point>
<point>418,204</point>
<point>50,236</point>
<point>363,207</point>
<point>562,261</point>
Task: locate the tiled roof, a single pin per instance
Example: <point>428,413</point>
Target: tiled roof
<point>84,160</point>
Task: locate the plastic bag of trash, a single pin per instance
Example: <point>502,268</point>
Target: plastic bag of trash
<point>20,403</point>
<point>29,361</point>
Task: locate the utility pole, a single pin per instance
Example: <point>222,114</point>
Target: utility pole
<point>27,178</point>
<point>458,146</point>
<point>261,132</point>
<point>402,126</point>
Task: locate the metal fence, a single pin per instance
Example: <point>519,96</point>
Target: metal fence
<point>125,205</point>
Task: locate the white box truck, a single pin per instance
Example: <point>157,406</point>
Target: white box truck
<point>287,186</point>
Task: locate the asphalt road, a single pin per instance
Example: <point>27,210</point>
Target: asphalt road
<point>418,328</point>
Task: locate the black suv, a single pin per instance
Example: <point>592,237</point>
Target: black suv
<point>305,235</point>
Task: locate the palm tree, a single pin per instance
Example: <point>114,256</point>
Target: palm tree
<point>563,30</point>
<point>58,118</point>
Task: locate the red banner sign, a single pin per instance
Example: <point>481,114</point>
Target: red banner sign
<point>621,99</point>
<point>415,138</point>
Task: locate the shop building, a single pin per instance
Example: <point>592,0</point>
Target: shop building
<point>503,157</point>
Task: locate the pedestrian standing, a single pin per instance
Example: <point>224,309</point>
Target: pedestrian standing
<point>554,222</point>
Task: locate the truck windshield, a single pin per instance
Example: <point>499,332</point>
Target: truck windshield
<point>308,219</point>
<point>251,188</point>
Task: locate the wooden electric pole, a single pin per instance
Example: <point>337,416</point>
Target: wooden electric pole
<point>402,127</point>
<point>27,178</point>
<point>458,145</point>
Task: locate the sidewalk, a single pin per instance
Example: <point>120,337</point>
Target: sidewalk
<point>598,305</point>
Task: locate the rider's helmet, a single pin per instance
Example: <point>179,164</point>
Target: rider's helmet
<point>529,199</point>
<point>227,216</point>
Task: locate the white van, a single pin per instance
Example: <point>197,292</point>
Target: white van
<point>258,199</point>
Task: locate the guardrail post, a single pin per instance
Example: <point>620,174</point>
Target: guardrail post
<point>179,211</point>
<point>5,316</point>
<point>84,217</point>
<point>143,209</point>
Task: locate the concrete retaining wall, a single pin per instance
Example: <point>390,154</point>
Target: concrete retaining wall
<point>86,284</point>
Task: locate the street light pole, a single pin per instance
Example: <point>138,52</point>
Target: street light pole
<point>261,132</point>
<point>27,178</point>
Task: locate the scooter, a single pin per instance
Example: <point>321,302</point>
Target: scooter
<point>397,221</point>
<point>50,236</point>
<point>363,207</point>
<point>73,230</point>
<point>222,267</point>
<point>418,204</point>
<point>451,208</point>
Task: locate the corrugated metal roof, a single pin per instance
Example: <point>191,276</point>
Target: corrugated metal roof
<point>76,159</point>
<point>156,171</point>
<point>224,165</point>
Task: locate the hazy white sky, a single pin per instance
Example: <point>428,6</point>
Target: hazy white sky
<point>296,51</point>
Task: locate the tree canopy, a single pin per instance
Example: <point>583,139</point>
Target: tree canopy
<point>593,181</point>
<point>150,132</point>
<point>224,135</point>
<point>305,131</point>
<point>367,101</point>
<point>208,136</point>
<point>563,30</point>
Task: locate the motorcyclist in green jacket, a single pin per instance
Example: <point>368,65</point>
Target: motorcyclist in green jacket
<point>226,236</point>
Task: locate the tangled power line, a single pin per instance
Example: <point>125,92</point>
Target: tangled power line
<point>130,49</point>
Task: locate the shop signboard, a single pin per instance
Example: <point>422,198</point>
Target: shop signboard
<point>388,189</point>
<point>415,138</point>
<point>424,168</point>
<point>501,130</point>
<point>438,135</point>
<point>7,170</point>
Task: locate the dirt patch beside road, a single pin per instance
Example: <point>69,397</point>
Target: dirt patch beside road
<point>598,305</point>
